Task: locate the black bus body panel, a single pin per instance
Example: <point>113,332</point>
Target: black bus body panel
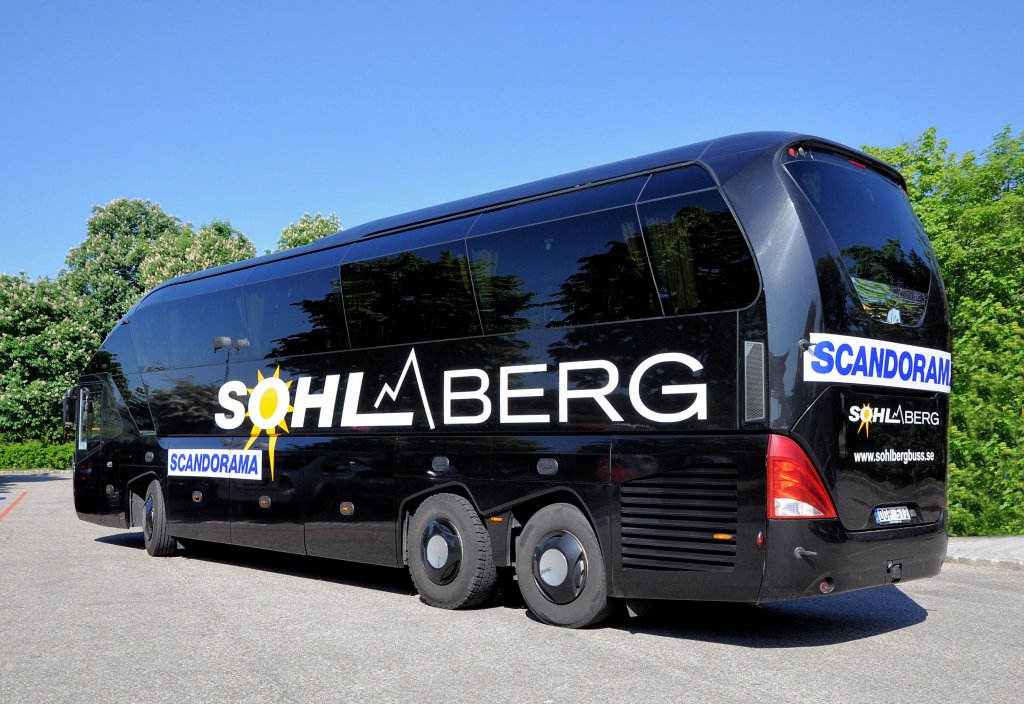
<point>690,509</point>
<point>359,472</point>
<point>656,427</point>
<point>198,507</point>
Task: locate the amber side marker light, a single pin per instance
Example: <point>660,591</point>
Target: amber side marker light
<point>795,489</point>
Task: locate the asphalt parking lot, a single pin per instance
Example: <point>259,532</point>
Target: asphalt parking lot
<point>87,615</point>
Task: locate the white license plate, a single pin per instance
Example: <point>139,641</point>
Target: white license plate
<point>892,514</point>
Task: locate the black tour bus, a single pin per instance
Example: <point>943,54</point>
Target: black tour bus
<point>718,372</point>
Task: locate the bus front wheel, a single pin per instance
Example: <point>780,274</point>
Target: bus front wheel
<point>159,542</point>
<point>449,553</point>
<point>560,570</point>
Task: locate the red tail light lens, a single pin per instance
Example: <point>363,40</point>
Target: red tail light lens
<point>795,489</point>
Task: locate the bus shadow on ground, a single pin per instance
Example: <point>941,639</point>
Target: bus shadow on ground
<point>385,579</point>
<point>792,624</point>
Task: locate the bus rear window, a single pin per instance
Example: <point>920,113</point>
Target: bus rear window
<point>885,250</point>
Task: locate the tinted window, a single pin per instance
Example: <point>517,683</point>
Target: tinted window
<point>701,260</point>
<point>297,314</point>
<point>194,322</point>
<point>586,269</point>
<point>881,241</point>
<point>117,354</point>
<point>148,329</point>
<point>412,296</point>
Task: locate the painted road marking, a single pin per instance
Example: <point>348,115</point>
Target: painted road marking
<point>11,507</point>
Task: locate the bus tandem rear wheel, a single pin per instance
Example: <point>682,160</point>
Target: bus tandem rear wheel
<point>155,532</point>
<point>560,569</point>
<point>449,551</point>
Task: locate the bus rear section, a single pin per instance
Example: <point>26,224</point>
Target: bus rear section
<point>856,490</point>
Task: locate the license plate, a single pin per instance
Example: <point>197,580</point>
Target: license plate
<point>891,515</point>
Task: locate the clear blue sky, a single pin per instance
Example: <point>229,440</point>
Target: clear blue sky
<point>256,112</point>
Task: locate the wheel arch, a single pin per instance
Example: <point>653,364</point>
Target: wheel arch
<point>135,497</point>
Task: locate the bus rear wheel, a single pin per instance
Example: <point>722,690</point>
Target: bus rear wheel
<point>560,570</point>
<point>155,533</point>
<point>449,553</point>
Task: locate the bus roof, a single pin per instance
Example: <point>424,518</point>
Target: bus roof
<point>704,152</point>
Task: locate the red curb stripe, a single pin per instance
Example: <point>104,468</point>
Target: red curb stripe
<point>11,507</point>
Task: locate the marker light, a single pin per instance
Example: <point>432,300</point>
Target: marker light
<point>795,489</point>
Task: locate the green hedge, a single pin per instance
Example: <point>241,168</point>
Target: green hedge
<point>34,454</point>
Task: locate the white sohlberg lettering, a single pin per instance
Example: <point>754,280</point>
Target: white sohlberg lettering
<point>505,393</point>
<point>565,393</point>
<point>477,394</point>
<point>698,408</point>
<point>235,415</point>
<point>326,401</point>
<point>465,399</point>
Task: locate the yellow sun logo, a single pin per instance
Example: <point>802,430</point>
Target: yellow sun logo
<point>272,402</point>
<point>865,420</point>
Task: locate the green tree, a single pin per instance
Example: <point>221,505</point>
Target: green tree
<point>46,339</point>
<point>183,251</point>
<point>973,210</point>
<point>308,229</point>
<point>104,269</point>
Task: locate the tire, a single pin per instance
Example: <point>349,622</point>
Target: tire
<point>560,568</point>
<point>449,551</point>
<point>159,542</point>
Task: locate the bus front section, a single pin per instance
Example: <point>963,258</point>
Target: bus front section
<point>857,474</point>
<point>116,452</point>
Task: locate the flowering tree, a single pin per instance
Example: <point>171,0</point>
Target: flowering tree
<point>308,229</point>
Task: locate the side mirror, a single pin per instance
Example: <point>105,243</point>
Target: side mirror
<point>70,407</point>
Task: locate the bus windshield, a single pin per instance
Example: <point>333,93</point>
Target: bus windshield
<point>883,245</point>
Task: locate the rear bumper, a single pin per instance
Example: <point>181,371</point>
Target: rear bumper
<point>852,560</point>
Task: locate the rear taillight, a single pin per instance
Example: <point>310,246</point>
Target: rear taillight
<point>795,489</point>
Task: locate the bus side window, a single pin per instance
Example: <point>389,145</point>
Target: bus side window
<point>416,296</point>
<point>149,337</point>
<point>701,260</point>
<point>575,271</point>
<point>194,322</point>
<point>296,314</point>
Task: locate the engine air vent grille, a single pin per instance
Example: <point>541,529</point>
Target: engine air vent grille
<point>684,520</point>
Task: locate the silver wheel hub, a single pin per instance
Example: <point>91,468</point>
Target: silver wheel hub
<point>441,551</point>
<point>560,567</point>
<point>437,552</point>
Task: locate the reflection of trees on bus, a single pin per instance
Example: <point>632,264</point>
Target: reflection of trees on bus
<point>610,286</point>
<point>325,331</point>
<point>890,265</point>
<point>409,297</point>
<point>889,278</point>
<point>700,258</point>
